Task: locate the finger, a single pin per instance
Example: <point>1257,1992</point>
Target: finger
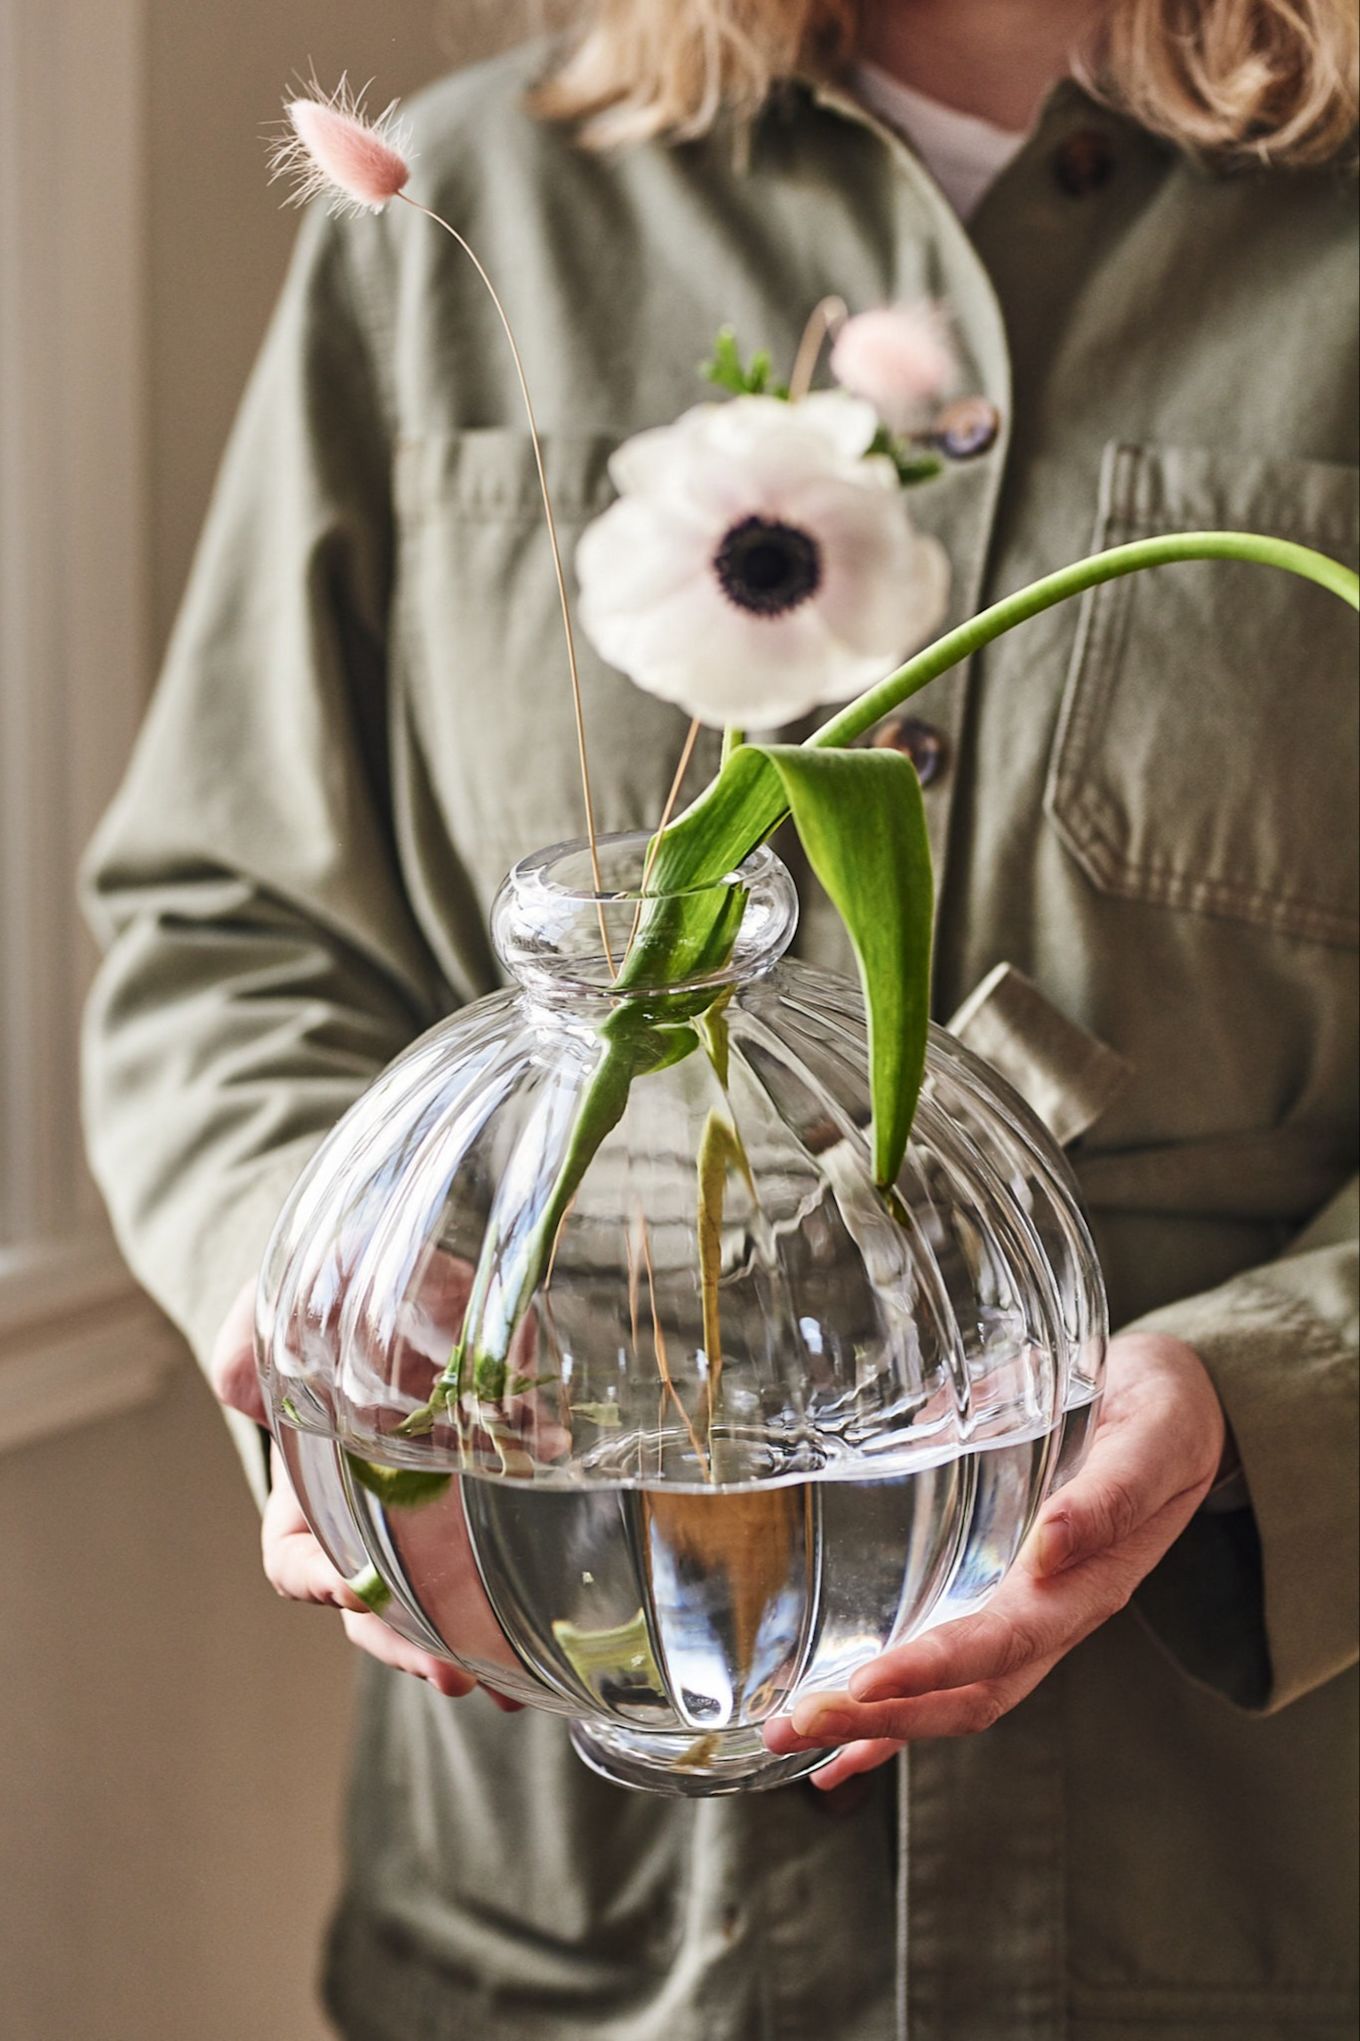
<point>231,1364</point>
<point>444,1288</point>
<point>865,1756</point>
<point>1031,1622</point>
<point>957,1711</point>
<point>1153,1457</point>
<point>294,1563</point>
<point>1131,1481</point>
<point>1116,1495</point>
<point>1022,1625</point>
<point>372,1635</point>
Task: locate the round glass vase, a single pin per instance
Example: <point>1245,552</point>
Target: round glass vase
<point>601,1366</point>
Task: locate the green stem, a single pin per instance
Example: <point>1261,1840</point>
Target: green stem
<point>687,932</point>
<point>741,807</point>
<point>1111,565</point>
<point>732,740</point>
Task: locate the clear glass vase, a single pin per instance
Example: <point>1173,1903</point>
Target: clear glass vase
<point>601,1366</point>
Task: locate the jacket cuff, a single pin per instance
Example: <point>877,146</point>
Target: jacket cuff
<point>1259,1603</point>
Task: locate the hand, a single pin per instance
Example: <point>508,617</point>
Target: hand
<point>294,1563</point>
<point>297,1568</point>
<point>1154,1456</point>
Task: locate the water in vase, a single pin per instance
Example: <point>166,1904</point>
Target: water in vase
<point>670,1616</point>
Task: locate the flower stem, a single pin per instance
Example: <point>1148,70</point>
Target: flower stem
<point>693,917</point>
<point>558,570</point>
<point>686,754</point>
<point>825,318</point>
<point>957,645</point>
<point>732,739</point>
<point>743,805</point>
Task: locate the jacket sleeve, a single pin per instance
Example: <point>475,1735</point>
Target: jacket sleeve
<point>262,962</point>
<point>1260,1601</point>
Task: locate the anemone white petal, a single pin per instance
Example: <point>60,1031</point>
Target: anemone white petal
<point>848,424</point>
<point>637,553</point>
<point>654,603</point>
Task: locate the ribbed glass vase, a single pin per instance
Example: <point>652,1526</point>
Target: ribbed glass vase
<point>601,1365</point>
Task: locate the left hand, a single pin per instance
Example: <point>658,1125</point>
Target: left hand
<point>1154,1456</point>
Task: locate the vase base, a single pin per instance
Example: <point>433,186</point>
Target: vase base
<point>689,1765</point>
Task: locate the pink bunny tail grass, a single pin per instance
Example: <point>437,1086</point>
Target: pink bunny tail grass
<point>331,147</point>
<point>900,359</point>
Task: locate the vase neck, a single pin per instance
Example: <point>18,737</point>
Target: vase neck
<point>561,936</point>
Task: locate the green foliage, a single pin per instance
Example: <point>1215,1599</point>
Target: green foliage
<point>397,1487</point>
<point>634,1045</point>
<point>607,1416</point>
<point>371,1589</point>
<point>726,370</point>
<point>860,818</point>
<point>748,800</point>
<point>914,464</point>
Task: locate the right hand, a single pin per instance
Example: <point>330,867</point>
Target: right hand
<point>294,1563</point>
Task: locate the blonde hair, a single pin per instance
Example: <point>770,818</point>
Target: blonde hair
<point>1269,81</point>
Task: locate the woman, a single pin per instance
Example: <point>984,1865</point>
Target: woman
<point>1140,806</point>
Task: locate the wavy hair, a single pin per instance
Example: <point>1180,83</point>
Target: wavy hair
<point>1265,81</point>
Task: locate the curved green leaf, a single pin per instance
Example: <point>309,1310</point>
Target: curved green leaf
<point>861,820</point>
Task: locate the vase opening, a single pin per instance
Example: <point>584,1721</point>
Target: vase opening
<point>549,921</point>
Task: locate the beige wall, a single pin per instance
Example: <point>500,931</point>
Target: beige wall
<point>173,1745</point>
<point>219,238</point>
<point>171,1737</point>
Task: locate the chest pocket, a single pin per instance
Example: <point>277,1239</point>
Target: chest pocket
<point>1205,755</point>
<point>481,639</point>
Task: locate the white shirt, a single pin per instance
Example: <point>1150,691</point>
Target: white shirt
<point>964,154</point>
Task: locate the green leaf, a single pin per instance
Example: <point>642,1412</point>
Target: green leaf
<point>727,371</point>
<point>746,802</point>
<point>397,1487</point>
<point>913,463</point>
<point>371,1589</point>
<point>861,820</point>
<point>723,367</point>
<point>636,1043</point>
<point>607,1416</point>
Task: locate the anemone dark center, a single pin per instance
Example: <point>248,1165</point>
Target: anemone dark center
<point>768,568</point>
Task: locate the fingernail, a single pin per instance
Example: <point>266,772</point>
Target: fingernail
<point>1054,1544</point>
<point>818,1719</point>
<point>863,1682</point>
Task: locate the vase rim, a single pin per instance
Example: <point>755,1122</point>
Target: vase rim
<point>538,866</point>
<point>548,916</point>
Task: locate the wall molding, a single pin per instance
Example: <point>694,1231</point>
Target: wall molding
<point>74,643</point>
<point>85,1368</point>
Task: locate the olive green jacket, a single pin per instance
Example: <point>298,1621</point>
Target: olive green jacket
<point>1146,805</point>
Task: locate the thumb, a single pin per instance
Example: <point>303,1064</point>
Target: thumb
<point>1101,1509</point>
<point>1156,1446</point>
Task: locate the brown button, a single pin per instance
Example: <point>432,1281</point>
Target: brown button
<point>966,428</point>
<point>1083,162</point>
<point>922,743</point>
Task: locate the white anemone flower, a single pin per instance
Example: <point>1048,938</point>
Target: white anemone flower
<point>759,561</point>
